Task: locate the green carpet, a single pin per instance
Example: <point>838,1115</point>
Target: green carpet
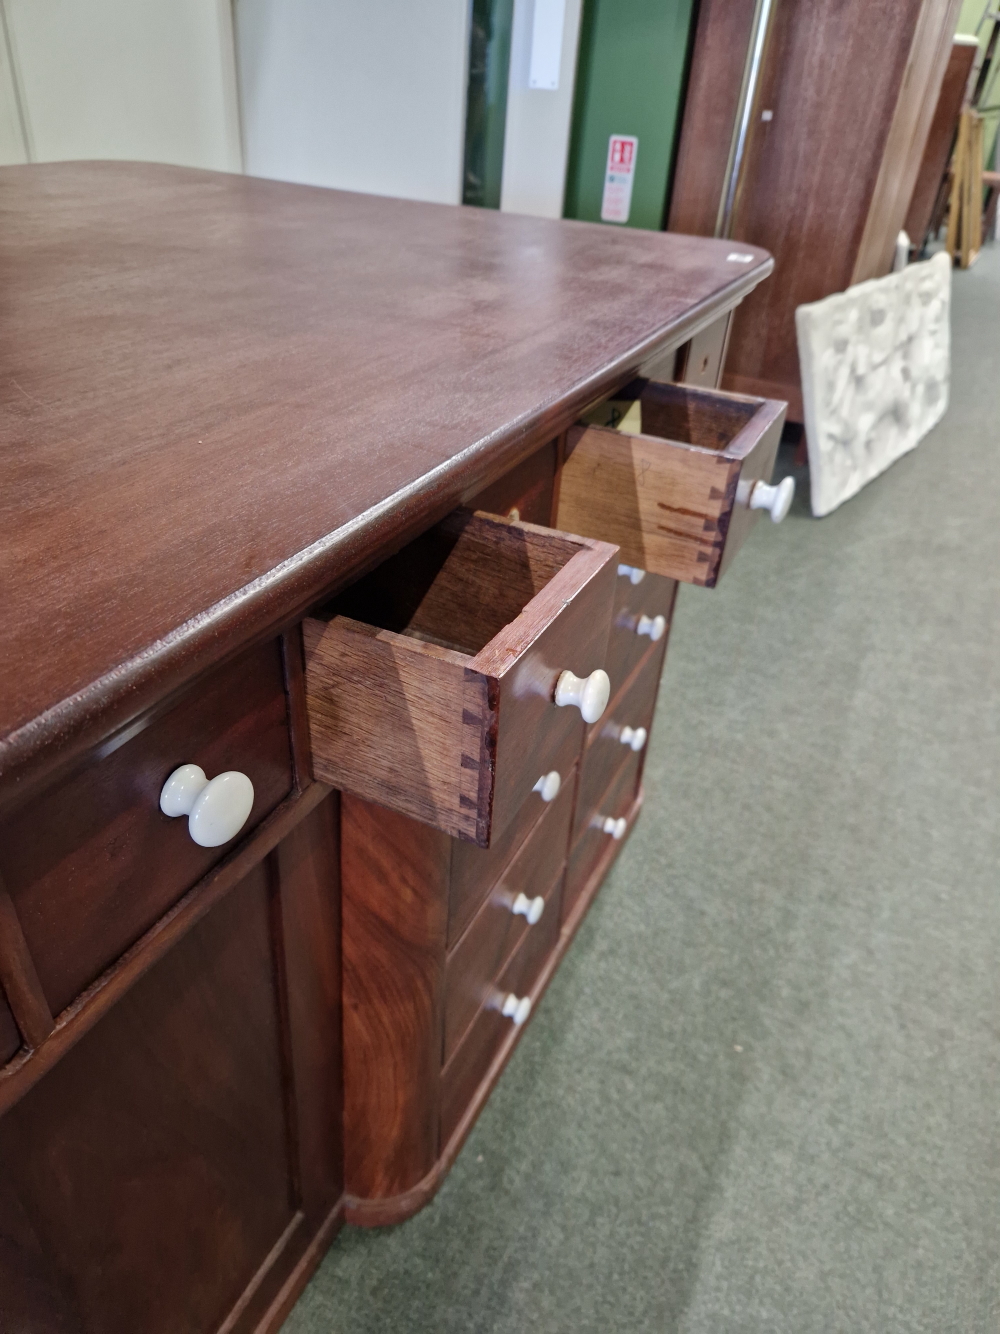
<point>763,1091</point>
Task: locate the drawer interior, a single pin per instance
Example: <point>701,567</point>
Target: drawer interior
<point>430,683</point>
<point>458,585</point>
<point>677,413</point>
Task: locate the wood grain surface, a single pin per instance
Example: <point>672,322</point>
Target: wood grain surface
<point>654,596</point>
<point>440,704</point>
<point>850,88</point>
<point>669,497</point>
<point>477,958</point>
<point>153,1181</point>
<point>940,140</point>
<point>93,863</point>
<point>223,397</point>
<point>474,871</point>
<point>395,919</point>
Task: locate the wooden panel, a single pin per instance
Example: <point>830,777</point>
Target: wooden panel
<point>831,81</point>
<point>395,903</point>
<point>445,713</point>
<point>93,863</point>
<point>720,49</point>
<point>700,361</point>
<point>10,1038</point>
<point>653,596</point>
<point>398,721</point>
<point>474,871</point>
<point>147,1178</point>
<point>591,844</point>
<point>940,138</point>
<point>672,504</point>
<point>478,956</point>
<point>308,863</point>
<point>907,138</point>
<point>527,488</point>
<point>604,754</point>
<point>471,1060</point>
<point>313,377</point>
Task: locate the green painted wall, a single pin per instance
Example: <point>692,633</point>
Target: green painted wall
<point>630,80</point>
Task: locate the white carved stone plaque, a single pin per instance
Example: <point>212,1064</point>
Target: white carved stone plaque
<point>875,364</point>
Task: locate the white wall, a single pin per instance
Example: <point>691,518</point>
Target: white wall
<point>152,80</point>
<point>360,94</point>
<point>536,145</point>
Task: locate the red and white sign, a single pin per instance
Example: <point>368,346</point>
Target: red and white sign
<point>616,202</point>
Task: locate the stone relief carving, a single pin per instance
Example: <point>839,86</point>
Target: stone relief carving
<point>875,366</point>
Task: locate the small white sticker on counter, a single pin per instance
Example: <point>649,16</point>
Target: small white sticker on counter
<point>616,203</point>
<point>739,257</point>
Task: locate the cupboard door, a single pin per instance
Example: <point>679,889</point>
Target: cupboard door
<point>171,1170</point>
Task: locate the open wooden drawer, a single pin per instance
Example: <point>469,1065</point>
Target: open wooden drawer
<point>444,684</point>
<point>674,475</point>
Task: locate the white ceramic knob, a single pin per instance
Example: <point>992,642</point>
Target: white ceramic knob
<point>631,573</point>
<point>216,810</point>
<point>532,909</point>
<point>516,1009</point>
<point>654,626</point>
<point>777,500</point>
<point>609,825</point>
<point>548,786</point>
<point>635,737</point>
<point>590,693</point>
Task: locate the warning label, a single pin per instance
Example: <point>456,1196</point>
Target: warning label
<point>616,201</point>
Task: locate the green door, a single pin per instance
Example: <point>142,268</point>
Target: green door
<point>630,81</point>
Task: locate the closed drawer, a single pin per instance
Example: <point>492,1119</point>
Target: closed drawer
<point>495,931</point>
<point>431,684</point>
<point>94,863</point>
<point>471,1060</point>
<point>677,497</point>
<point>618,738</point>
<point>641,616</point>
<point>592,837</point>
<point>474,870</point>
<point>10,1037</point>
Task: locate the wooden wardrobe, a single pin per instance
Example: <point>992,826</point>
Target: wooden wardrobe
<point>840,119</point>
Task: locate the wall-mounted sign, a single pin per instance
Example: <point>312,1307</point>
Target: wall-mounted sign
<point>618,176</point>
<point>547,25</point>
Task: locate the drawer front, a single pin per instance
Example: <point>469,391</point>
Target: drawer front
<point>474,870</point>
<point>631,634</point>
<point>495,931</point>
<point>676,496</point>
<point>439,703</point>
<point>94,863</point>
<point>10,1037</point>
<point>471,1060</point>
<point>591,841</point>
<point>606,753</point>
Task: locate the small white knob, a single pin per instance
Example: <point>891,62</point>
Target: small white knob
<point>654,626</point>
<point>633,736</point>
<point>516,1009</point>
<point>548,786</point>
<point>216,810</point>
<point>532,909</point>
<point>631,573</point>
<point>609,825</point>
<point>776,499</point>
<point>590,693</point>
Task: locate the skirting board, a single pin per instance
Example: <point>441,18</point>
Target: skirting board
<point>875,370</point>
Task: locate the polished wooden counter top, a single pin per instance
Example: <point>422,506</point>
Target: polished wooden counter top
<point>222,397</point>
